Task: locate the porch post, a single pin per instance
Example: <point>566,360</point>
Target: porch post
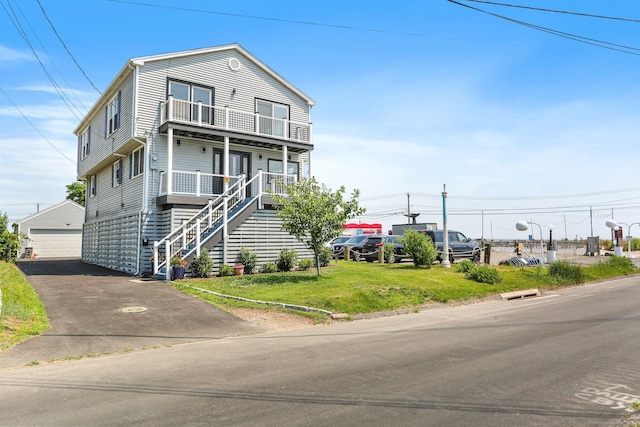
<point>310,172</point>
<point>225,169</point>
<point>285,166</point>
<point>170,161</point>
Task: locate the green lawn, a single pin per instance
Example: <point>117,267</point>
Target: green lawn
<point>355,288</point>
<point>22,315</point>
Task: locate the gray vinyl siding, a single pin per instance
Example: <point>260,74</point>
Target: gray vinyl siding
<point>102,148</point>
<point>263,233</point>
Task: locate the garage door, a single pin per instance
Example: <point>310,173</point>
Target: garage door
<point>56,243</point>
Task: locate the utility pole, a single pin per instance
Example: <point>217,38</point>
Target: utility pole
<point>591,218</point>
<point>565,228</point>
<point>408,208</point>
<point>445,233</point>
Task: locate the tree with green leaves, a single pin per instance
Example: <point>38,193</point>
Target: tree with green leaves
<point>9,242</point>
<point>419,247</point>
<point>314,214</point>
<point>76,192</point>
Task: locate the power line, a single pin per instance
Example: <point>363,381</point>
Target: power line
<point>586,40</point>
<point>568,12</point>
<point>66,48</point>
<point>34,127</point>
<point>265,18</point>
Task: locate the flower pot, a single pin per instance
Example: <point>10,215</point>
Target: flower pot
<point>177,273</point>
<point>238,269</point>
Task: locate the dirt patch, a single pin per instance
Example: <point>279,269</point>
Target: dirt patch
<point>274,320</point>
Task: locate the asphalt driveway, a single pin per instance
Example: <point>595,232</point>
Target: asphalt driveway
<point>93,310</point>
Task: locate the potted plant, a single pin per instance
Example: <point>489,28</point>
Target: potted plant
<point>238,269</point>
<point>177,267</point>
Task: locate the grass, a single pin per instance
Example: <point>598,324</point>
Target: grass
<point>22,315</point>
<point>356,288</point>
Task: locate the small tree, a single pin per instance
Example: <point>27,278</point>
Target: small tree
<point>419,247</point>
<point>314,214</point>
<point>76,192</point>
<point>248,258</point>
<point>9,242</point>
<point>202,265</point>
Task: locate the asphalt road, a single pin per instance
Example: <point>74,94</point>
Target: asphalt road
<point>569,358</point>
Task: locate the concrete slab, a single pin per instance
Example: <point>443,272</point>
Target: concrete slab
<point>520,294</point>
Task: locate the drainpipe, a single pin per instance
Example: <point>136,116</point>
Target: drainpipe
<point>145,178</point>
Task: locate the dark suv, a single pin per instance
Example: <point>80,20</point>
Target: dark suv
<point>361,246</point>
<point>460,246</point>
<point>371,246</point>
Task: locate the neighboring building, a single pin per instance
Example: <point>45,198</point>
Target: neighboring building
<point>182,151</point>
<point>56,232</point>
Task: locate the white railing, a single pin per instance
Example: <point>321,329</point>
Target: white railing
<point>190,236</point>
<point>209,116</point>
<point>195,183</point>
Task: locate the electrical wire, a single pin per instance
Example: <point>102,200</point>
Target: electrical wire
<point>265,18</point>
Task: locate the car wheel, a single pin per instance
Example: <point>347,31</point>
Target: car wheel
<point>356,256</point>
<point>476,256</point>
<point>451,257</point>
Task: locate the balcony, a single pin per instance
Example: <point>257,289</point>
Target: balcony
<point>229,120</point>
<point>207,185</point>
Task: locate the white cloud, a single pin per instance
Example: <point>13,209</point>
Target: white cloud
<point>12,55</point>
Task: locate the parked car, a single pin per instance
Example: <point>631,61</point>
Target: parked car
<point>460,246</point>
<point>336,240</point>
<point>357,245</point>
<point>370,248</point>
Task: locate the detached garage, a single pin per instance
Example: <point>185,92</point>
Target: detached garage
<point>55,232</point>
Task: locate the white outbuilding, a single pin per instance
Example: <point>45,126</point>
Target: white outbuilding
<point>55,232</point>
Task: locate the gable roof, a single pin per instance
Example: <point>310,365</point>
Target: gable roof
<point>128,68</point>
<point>144,59</point>
<point>49,209</point>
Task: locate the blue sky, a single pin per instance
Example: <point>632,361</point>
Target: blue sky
<point>518,123</point>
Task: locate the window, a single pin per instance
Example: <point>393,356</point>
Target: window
<point>136,163</point>
<point>272,117</point>
<point>191,93</point>
<point>85,143</point>
<point>116,173</point>
<point>275,166</point>
<point>112,116</point>
<point>92,186</point>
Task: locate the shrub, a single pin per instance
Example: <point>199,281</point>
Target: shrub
<point>202,265</point>
<point>287,259</point>
<point>388,252</point>
<point>621,263</point>
<point>325,256</point>
<point>465,266</point>
<point>268,267</point>
<point>305,264</point>
<point>248,258</point>
<point>483,274</point>
<point>566,272</point>
<point>419,247</point>
<point>226,270</point>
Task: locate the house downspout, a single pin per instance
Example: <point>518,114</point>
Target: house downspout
<point>145,178</point>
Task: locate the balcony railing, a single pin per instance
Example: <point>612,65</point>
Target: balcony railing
<point>185,183</point>
<point>209,116</point>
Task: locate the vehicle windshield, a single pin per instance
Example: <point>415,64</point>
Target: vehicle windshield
<point>357,239</point>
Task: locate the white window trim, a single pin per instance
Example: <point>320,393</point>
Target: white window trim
<point>85,143</point>
<point>115,179</point>
<point>113,115</point>
<point>140,163</point>
<point>93,188</point>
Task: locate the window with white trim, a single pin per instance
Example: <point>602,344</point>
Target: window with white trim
<point>116,173</point>
<point>112,115</point>
<point>85,143</point>
<point>275,166</point>
<point>93,187</point>
<point>136,163</point>
<point>273,117</point>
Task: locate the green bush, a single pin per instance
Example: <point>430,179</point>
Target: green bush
<point>419,247</point>
<point>226,270</point>
<point>305,264</point>
<point>202,265</point>
<point>268,267</point>
<point>465,266</point>
<point>248,258</point>
<point>623,264</point>
<point>483,274</point>
<point>325,256</point>
<point>566,272</point>
<point>388,252</point>
<point>287,259</point>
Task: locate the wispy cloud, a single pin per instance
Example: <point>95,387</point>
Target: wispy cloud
<point>11,55</point>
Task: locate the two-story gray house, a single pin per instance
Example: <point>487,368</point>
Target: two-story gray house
<point>182,151</point>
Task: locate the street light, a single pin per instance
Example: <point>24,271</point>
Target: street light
<point>551,252</point>
<point>612,224</point>
<point>522,225</point>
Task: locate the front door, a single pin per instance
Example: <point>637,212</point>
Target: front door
<point>239,164</point>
